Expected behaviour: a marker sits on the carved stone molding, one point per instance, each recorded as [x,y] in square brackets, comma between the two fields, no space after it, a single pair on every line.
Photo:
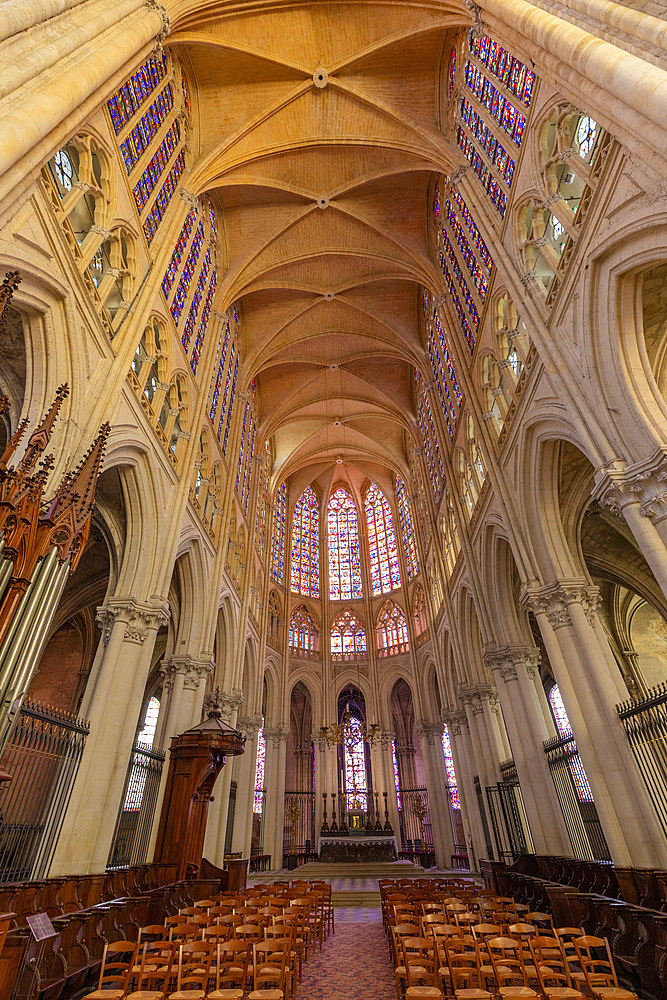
[510,661]
[556,599]
[459,172]
[456,722]
[476,694]
[429,731]
[189,198]
[194,670]
[276,735]
[166,21]
[227,702]
[249,726]
[386,739]
[644,483]
[138,618]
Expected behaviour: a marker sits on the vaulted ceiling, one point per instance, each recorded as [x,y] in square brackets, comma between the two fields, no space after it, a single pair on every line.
[320,133]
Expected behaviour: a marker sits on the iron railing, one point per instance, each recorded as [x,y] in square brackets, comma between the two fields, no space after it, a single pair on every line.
[409,821]
[576,800]
[134,822]
[508,815]
[304,839]
[645,723]
[43,758]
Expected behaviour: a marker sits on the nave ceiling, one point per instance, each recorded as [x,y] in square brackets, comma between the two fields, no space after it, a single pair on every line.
[319,128]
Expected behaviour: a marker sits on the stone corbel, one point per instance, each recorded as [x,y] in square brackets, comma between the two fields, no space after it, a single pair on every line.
[430,731]
[456,722]
[166,21]
[476,694]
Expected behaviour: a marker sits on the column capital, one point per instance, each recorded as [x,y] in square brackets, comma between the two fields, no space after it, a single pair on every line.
[429,731]
[644,483]
[456,722]
[476,694]
[276,735]
[555,600]
[194,669]
[249,725]
[227,701]
[137,617]
[509,661]
[386,739]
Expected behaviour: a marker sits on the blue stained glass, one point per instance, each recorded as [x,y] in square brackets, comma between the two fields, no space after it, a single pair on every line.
[203,323]
[348,638]
[407,534]
[189,268]
[385,573]
[480,279]
[196,302]
[143,133]
[502,109]
[159,207]
[177,255]
[452,784]
[260,764]
[392,630]
[241,447]
[222,357]
[226,394]
[231,406]
[451,74]
[278,534]
[305,575]
[449,412]
[431,449]
[127,100]
[465,214]
[344,559]
[303,633]
[436,200]
[460,278]
[487,140]
[356,788]
[247,466]
[518,79]
[145,186]
[397,780]
[489,183]
[565,730]
[456,302]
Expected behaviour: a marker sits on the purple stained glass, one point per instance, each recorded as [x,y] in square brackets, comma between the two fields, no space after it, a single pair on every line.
[189,269]
[397,779]
[348,637]
[231,406]
[355,768]
[565,730]
[407,533]
[518,79]
[196,302]
[278,534]
[456,302]
[203,323]
[452,784]
[502,109]
[451,72]
[241,447]
[460,279]
[128,99]
[222,358]
[146,184]
[260,765]
[392,630]
[487,140]
[385,573]
[475,269]
[305,577]
[344,559]
[303,632]
[139,139]
[466,215]
[156,213]
[177,255]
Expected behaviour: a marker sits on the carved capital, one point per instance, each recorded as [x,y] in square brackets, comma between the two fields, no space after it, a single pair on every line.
[456,722]
[137,618]
[193,670]
[276,735]
[189,198]
[249,726]
[556,600]
[100,231]
[644,483]
[166,22]
[459,172]
[476,695]
[511,662]
[429,731]
[227,702]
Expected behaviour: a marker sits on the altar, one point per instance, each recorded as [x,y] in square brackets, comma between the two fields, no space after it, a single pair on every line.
[360,850]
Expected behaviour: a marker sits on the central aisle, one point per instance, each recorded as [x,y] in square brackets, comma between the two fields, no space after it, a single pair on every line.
[354,964]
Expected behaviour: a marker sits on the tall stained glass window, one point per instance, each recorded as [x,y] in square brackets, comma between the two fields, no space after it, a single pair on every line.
[356,787]
[278,534]
[304,635]
[444,374]
[348,638]
[430,441]
[305,577]
[407,533]
[452,784]
[385,573]
[397,777]
[343,537]
[137,782]
[128,99]
[392,630]
[260,764]
[262,503]
[140,137]
[565,730]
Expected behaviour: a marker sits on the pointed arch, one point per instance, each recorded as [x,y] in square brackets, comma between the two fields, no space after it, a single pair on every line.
[385,572]
[392,630]
[304,634]
[343,540]
[348,637]
[305,572]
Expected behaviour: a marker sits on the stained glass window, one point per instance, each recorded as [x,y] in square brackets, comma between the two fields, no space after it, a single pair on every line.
[495,151]
[356,787]
[143,133]
[177,255]
[305,578]
[64,169]
[565,730]
[392,630]
[518,79]
[510,120]
[587,136]
[451,72]
[246,455]
[203,322]
[230,408]
[127,100]
[397,778]
[278,534]
[159,207]
[445,375]
[430,441]
[145,186]
[262,503]
[407,534]
[304,635]
[260,764]
[137,781]
[466,215]
[348,638]
[219,373]
[452,784]
[189,270]
[385,573]
[344,560]
[188,329]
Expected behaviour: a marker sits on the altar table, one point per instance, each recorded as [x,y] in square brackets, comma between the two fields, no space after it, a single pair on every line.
[363,850]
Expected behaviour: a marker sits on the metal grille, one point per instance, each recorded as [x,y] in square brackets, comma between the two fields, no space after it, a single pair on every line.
[43,757]
[409,821]
[508,815]
[581,817]
[305,824]
[645,723]
[135,816]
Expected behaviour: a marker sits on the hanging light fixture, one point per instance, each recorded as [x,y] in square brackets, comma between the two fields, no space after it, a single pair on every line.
[344,734]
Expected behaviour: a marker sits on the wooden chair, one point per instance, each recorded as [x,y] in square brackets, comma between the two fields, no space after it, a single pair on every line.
[509,972]
[249,932]
[542,920]
[597,969]
[419,962]
[232,920]
[232,962]
[181,933]
[269,963]
[551,969]
[194,970]
[118,960]
[155,971]
[152,932]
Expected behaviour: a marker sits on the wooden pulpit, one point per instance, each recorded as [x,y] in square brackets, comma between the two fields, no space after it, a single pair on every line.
[195,760]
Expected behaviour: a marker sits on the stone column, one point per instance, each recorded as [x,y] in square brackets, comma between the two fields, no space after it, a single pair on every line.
[122,663]
[463,757]
[568,620]
[430,734]
[483,733]
[386,762]
[216,825]
[514,669]
[245,786]
[274,806]
[321,785]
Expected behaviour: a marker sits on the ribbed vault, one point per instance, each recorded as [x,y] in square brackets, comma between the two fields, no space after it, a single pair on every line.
[319,129]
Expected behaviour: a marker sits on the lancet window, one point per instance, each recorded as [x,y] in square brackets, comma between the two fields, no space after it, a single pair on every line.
[444,374]
[304,635]
[419,610]
[356,787]
[429,438]
[137,780]
[565,731]
[407,532]
[452,784]
[385,572]
[348,637]
[305,574]
[451,541]
[278,534]
[246,456]
[392,630]
[397,777]
[343,538]
[260,765]
[262,502]
[223,387]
